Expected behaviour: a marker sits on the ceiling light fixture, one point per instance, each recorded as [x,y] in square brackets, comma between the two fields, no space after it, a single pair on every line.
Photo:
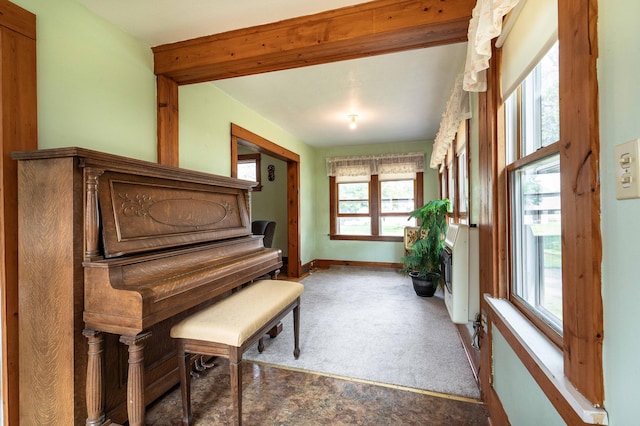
[353,123]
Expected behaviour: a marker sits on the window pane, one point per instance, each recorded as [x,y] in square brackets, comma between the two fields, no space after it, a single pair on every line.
[511,125]
[353,198]
[550,97]
[346,207]
[541,104]
[397,196]
[247,171]
[353,191]
[536,233]
[354,225]
[394,225]
[452,188]
[463,183]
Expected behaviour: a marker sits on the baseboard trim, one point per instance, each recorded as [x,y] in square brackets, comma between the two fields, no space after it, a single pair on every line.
[326,263]
[473,355]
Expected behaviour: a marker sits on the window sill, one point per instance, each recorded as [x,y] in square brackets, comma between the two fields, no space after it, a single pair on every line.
[548,359]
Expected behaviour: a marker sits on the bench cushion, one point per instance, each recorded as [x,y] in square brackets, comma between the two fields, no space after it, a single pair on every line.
[236,318]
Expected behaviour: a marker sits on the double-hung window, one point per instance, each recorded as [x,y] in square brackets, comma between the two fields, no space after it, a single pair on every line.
[354,208]
[397,199]
[371,196]
[547,190]
[532,133]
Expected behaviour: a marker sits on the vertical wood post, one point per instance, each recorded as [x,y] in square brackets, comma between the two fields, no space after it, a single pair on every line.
[234,156]
[18,132]
[293,214]
[581,238]
[167,107]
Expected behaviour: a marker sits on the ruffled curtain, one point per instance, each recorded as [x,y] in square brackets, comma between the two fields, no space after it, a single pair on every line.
[485,25]
[367,165]
[351,166]
[457,109]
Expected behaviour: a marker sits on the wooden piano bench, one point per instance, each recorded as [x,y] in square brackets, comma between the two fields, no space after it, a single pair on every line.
[229,327]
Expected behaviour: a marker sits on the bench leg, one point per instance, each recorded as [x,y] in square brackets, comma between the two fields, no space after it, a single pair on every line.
[296,330]
[235,374]
[184,364]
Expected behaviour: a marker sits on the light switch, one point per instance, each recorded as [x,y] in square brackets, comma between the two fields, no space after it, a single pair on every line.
[627,170]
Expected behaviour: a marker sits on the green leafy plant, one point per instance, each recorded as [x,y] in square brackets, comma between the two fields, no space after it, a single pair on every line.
[423,257]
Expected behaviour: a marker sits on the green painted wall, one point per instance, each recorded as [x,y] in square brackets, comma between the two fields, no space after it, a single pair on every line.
[514,385]
[97,90]
[619,88]
[371,251]
[271,202]
[206,114]
[96,87]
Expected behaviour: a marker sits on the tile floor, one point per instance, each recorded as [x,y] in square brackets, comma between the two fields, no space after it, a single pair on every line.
[276,396]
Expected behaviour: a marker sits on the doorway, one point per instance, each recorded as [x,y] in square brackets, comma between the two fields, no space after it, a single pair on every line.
[245,138]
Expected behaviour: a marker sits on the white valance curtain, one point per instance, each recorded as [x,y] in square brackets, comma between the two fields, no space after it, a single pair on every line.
[367,165]
[457,109]
[485,25]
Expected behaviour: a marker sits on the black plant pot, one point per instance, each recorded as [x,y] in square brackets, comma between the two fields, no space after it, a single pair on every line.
[424,287]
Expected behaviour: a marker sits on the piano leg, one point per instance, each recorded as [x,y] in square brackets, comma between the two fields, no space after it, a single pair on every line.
[95,379]
[135,381]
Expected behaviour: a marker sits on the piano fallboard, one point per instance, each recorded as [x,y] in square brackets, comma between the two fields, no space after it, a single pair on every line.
[129,295]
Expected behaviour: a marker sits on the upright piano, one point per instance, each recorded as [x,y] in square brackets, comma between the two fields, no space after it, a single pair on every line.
[112,252]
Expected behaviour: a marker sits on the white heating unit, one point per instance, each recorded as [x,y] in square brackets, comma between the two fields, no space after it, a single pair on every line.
[461,273]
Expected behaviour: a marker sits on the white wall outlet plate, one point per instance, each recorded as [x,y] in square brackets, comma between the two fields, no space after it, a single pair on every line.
[627,169]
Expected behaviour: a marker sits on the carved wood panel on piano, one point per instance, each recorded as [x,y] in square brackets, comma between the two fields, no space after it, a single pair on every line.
[121,249]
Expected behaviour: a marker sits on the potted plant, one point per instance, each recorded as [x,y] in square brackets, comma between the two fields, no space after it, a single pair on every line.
[422,261]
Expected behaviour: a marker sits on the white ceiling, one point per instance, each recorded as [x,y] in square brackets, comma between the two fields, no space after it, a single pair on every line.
[398,97]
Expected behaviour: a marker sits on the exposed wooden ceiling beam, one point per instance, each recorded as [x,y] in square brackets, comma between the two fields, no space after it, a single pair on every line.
[366,29]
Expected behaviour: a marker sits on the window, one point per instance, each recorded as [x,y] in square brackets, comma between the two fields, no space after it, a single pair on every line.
[533,167]
[536,253]
[249,169]
[462,167]
[353,209]
[397,199]
[530,38]
[371,197]
[454,176]
[377,208]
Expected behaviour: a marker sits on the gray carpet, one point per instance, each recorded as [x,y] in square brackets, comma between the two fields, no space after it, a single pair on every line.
[368,324]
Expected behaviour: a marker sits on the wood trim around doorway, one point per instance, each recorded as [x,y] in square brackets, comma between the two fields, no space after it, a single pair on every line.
[244,137]
[18,132]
